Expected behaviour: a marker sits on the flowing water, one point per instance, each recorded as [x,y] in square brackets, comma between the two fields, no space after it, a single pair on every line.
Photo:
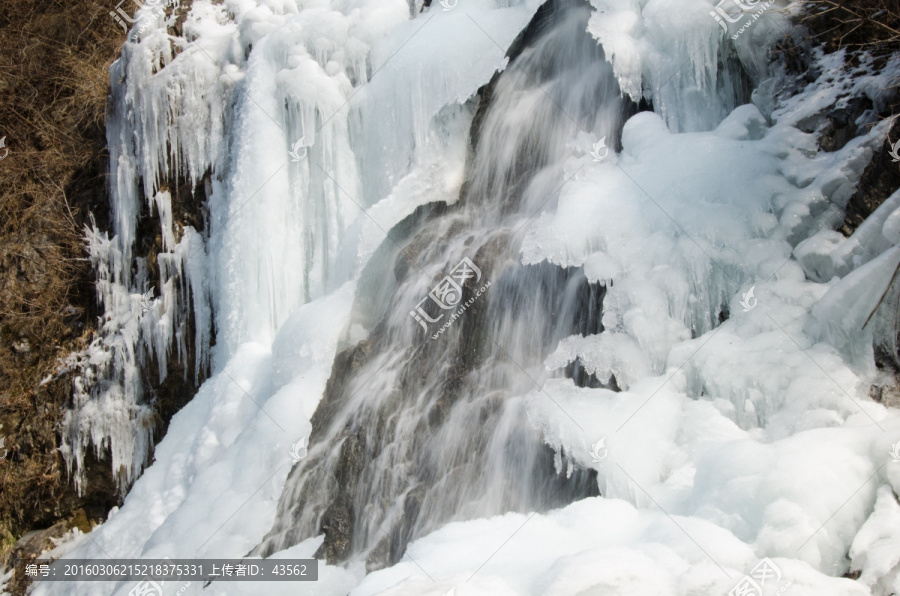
[421,422]
[277,143]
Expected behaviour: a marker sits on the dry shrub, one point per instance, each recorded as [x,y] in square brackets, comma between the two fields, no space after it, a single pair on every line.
[53,90]
[871,25]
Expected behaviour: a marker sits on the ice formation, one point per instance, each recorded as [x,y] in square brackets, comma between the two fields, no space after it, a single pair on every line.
[738,326]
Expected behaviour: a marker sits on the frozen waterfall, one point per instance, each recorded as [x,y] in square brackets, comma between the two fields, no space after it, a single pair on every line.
[494,296]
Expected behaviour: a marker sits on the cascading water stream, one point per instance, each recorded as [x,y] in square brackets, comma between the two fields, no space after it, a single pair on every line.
[686,297]
[418,428]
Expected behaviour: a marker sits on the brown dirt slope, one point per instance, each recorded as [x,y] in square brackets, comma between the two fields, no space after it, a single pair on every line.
[53,89]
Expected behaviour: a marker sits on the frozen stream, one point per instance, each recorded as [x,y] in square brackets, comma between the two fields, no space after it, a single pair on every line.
[498,296]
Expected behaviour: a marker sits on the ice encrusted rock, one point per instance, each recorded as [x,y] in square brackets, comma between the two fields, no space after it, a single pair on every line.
[743,418]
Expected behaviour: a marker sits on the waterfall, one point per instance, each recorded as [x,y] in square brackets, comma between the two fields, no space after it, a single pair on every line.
[459,269]
[421,424]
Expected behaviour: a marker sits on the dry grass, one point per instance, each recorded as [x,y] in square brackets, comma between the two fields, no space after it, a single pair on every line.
[53,89]
[871,25]
[53,73]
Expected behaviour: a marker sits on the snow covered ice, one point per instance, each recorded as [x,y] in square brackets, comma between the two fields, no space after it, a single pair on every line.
[737,427]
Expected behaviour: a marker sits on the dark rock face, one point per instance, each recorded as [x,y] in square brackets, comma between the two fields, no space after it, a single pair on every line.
[172,393]
[841,127]
[837,127]
[880,179]
[582,378]
[360,445]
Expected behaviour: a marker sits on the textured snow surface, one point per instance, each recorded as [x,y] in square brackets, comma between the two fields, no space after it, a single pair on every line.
[734,319]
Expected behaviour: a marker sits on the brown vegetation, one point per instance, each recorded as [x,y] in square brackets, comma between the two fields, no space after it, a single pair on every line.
[872,25]
[53,89]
